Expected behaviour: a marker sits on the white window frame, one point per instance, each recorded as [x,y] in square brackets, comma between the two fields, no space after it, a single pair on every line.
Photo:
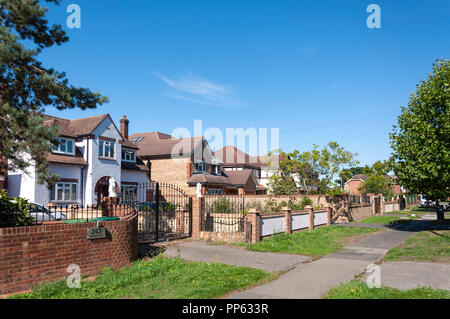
[127,151]
[216,169]
[203,166]
[64,141]
[64,186]
[111,146]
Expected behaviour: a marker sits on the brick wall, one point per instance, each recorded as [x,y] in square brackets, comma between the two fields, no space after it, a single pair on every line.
[173,171]
[42,253]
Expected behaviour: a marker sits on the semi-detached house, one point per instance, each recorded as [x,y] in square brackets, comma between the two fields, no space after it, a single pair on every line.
[91,150]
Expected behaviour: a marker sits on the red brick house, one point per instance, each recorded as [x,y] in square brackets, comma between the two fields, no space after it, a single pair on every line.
[352,185]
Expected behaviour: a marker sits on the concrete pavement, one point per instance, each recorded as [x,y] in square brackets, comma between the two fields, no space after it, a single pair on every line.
[200,251]
[314,279]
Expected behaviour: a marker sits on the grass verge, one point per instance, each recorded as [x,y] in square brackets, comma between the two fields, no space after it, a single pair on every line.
[357,289]
[431,245]
[159,278]
[316,242]
[384,219]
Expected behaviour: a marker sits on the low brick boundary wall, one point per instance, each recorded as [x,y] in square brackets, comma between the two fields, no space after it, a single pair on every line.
[33,254]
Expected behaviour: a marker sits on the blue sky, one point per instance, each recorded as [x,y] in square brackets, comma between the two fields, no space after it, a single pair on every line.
[313,69]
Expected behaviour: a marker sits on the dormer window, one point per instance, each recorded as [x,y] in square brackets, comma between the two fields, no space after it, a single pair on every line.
[128,155]
[200,166]
[65,146]
[216,169]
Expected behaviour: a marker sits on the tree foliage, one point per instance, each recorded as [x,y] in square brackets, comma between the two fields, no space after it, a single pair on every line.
[377,184]
[313,169]
[27,86]
[421,139]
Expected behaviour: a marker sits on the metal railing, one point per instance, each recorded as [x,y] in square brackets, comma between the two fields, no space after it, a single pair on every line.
[223,213]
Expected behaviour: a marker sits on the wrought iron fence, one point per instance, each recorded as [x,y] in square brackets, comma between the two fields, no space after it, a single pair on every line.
[223,213]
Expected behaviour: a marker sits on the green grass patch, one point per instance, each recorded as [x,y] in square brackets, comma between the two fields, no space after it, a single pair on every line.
[431,245]
[159,278]
[384,219]
[316,242]
[357,289]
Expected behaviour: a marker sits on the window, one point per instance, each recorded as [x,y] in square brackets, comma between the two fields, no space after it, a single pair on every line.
[200,166]
[64,146]
[128,193]
[64,192]
[214,191]
[106,149]
[137,139]
[216,169]
[128,155]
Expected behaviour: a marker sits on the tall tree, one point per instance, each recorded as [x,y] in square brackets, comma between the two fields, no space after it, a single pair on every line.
[27,86]
[421,138]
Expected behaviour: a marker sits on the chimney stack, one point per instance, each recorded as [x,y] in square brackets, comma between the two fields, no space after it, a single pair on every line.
[124,126]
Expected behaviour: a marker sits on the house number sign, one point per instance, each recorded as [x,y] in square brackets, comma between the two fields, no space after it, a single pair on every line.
[96,233]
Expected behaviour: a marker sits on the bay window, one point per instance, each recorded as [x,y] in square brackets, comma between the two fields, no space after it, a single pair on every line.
[64,192]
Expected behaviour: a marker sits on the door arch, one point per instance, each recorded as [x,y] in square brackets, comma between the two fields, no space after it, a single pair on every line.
[101,189]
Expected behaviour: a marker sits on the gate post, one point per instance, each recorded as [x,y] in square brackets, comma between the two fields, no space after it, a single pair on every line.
[254,218]
[157,212]
[197,207]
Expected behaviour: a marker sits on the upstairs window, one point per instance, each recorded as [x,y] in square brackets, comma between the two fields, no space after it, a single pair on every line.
[200,166]
[216,169]
[106,149]
[65,146]
[128,155]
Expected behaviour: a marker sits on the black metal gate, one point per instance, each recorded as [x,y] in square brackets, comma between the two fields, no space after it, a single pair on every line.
[164,210]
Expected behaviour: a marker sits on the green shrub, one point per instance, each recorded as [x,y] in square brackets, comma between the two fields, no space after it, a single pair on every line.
[222,205]
[14,211]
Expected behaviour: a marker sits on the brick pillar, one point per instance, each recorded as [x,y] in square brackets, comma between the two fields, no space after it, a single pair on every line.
[254,217]
[197,205]
[287,220]
[381,204]
[328,216]
[311,218]
[372,199]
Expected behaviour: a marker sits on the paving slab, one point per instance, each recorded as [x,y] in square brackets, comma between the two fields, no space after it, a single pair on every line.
[200,251]
[412,274]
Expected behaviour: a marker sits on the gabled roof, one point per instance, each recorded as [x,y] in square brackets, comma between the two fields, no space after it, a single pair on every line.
[240,178]
[161,144]
[82,126]
[232,156]
[358,177]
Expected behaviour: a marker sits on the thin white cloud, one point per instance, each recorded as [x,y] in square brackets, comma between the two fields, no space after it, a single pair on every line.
[200,91]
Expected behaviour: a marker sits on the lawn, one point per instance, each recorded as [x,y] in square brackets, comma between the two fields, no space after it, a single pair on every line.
[357,289]
[316,242]
[160,278]
[384,219]
[426,246]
